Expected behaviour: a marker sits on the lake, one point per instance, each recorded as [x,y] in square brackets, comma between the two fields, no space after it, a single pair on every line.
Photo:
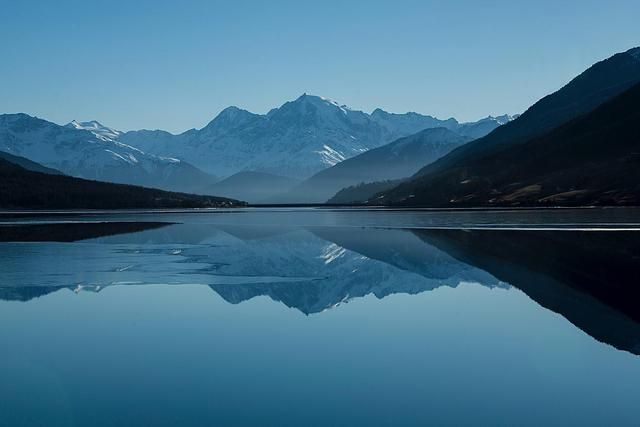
[320,317]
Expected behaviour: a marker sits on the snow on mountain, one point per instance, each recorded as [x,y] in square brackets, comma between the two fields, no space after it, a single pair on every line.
[88,150]
[297,139]
[99,130]
[409,123]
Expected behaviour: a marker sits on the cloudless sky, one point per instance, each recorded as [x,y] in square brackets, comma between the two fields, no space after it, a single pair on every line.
[175,65]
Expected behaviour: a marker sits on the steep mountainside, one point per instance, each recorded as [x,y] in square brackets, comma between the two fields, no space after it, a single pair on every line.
[399,159]
[25,189]
[89,151]
[592,160]
[447,180]
[596,85]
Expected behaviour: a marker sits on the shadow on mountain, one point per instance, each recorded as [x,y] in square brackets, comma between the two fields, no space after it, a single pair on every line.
[71,232]
[591,278]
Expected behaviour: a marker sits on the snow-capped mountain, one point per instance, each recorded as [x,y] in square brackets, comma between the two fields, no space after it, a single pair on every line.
[98,129]
[298,139]
[295,140]
[92,151]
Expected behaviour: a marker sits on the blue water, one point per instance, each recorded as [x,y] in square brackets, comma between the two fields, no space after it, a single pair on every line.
[313,318]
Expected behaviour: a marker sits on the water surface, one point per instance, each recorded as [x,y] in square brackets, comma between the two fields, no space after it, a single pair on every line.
[316,317]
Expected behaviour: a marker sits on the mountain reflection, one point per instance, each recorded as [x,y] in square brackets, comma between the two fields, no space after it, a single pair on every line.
[589,278]
[71,232]
[345,263]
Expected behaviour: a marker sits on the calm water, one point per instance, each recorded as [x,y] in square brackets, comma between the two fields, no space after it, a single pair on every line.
[320,317]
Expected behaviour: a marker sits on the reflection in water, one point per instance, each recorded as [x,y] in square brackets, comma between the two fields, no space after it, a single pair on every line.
[588,277]
[591,278]
[71,232]
[442,327]
[384,262]
[300,267]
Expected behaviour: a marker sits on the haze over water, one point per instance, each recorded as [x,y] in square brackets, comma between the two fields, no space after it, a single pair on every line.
[318,316]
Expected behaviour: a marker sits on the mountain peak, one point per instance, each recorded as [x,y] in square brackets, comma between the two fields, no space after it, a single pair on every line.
[230,117]
[231,113]
[12,117]
[501,120]
[319,101]
[93,124]
[95,127]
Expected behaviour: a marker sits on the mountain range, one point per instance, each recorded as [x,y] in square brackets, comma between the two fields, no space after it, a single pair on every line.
[296,140]
[91,151]
[573,147]
[271,152]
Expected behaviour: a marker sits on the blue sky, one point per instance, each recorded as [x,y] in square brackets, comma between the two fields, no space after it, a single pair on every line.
[175,65]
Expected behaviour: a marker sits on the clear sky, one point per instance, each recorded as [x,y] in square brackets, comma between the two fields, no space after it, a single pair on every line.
[175,65]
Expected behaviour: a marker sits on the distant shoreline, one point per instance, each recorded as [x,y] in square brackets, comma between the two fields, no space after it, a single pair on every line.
[6,215]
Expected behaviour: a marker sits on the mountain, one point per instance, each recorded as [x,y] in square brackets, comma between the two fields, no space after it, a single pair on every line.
[24,189]
[400,124]
[399,159]
[410,123]
[592,160]
[298,139]
[252,187]
[525,161]
[87,150]
[28,164]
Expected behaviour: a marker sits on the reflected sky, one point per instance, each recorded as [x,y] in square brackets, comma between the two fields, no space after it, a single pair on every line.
[316,323]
